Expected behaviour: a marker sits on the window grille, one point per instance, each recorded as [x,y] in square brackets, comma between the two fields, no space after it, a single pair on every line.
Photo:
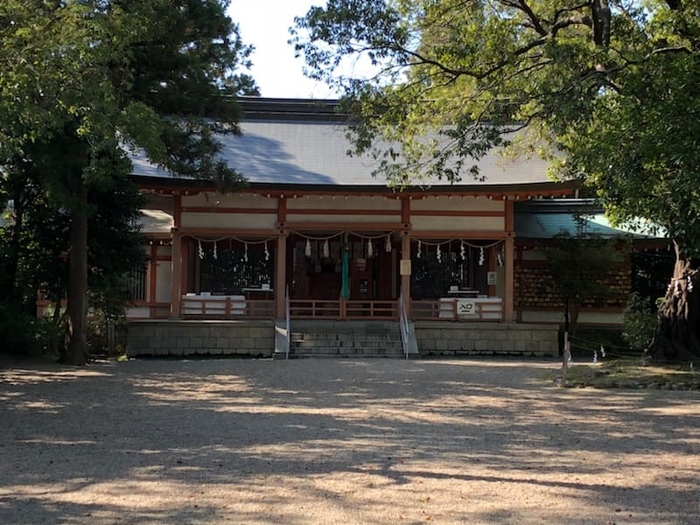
[136,284]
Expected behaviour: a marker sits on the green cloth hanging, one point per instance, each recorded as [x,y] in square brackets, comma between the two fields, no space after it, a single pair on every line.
[345,288]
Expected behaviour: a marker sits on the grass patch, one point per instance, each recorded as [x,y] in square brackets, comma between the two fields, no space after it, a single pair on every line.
[631,373]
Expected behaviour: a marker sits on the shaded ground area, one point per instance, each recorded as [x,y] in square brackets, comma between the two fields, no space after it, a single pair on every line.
[340,441]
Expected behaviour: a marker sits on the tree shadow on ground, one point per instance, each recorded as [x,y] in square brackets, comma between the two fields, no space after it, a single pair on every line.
[133,440]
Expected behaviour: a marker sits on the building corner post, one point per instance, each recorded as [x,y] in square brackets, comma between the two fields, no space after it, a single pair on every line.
[176,277]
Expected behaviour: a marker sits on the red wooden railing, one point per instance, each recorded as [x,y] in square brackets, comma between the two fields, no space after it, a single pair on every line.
[448,310]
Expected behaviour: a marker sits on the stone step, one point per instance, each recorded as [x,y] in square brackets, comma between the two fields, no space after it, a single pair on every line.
[345,339]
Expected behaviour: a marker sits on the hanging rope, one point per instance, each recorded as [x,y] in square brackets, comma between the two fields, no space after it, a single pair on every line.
[230,238]
[448,241]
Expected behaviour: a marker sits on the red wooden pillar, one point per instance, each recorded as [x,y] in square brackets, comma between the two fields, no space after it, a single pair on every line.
[405,270]
[281,277]
[176,259]
[509,263]
[152,279]
[176,277]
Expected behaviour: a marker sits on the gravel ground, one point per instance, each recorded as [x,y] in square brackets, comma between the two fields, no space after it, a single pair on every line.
[340,441]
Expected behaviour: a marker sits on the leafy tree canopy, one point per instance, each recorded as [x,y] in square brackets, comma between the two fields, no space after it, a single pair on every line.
[607,90]
[159,75]
[82,81]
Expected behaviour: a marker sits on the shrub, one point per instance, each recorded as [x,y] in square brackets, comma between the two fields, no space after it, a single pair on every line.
[639,321]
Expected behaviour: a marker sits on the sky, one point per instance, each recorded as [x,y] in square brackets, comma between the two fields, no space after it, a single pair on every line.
[265,24]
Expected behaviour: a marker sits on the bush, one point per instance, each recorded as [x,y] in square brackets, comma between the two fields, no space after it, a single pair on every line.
[23,333]
[105,337]
[639,321]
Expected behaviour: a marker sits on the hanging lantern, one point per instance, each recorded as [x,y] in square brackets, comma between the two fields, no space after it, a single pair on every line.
[200,250]
[419,247]
[369,249]
[387,244]
[326,251]
[307,249]
[482,257]
[267,252]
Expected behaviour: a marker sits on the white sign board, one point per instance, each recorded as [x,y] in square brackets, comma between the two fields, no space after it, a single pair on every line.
[466,307]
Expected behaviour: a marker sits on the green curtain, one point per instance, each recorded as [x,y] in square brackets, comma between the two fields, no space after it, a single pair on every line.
[345,289]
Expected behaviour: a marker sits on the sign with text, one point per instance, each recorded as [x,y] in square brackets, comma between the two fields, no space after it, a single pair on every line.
[466,307]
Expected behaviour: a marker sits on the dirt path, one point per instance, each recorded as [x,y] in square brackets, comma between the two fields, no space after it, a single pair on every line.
[330,441]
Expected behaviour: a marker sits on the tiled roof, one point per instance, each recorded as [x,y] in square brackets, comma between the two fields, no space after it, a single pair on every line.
[305,144]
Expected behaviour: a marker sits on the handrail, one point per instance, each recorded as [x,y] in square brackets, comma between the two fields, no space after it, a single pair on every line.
[287,323]
[403,325]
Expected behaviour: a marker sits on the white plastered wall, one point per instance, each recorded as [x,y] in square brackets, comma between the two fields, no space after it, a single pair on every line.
[229,220]
[457,224]
[457,203]
[328,202]
[233,200]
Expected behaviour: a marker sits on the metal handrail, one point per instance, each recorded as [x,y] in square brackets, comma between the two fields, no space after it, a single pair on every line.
[403,325]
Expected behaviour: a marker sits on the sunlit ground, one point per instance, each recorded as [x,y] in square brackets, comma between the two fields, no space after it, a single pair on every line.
[332,441]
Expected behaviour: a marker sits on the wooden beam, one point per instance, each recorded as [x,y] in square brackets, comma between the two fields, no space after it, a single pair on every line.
[457,234]
[281,211]
[457,213]
[228,232]
[177,210]
[344,226]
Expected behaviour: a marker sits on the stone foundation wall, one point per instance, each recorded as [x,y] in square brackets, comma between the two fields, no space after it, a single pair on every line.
[462,339]
[178,338]
[256,338]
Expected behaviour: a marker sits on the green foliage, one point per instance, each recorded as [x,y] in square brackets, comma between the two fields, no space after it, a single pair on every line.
[639,322]
[22,333]
[607,92]
[580,266]
[82,84]
[612,91]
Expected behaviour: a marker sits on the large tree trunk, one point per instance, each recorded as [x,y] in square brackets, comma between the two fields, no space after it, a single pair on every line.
[76,350]
[677,336]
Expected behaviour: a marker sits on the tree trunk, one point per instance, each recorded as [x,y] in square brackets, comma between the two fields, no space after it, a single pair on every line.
[76,350]
[677,335]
